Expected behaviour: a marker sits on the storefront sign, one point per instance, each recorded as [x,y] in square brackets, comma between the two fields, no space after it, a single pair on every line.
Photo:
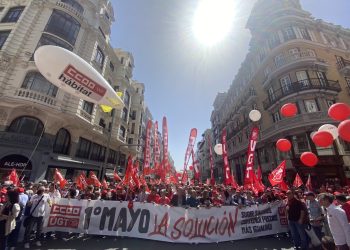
[16,162]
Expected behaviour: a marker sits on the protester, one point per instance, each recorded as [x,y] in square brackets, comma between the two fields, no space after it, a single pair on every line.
[297,220]
[192,201]
[345,205]
[179,199]
[8,214]
[337,221]
[163,200]
[37,206]
[315,213]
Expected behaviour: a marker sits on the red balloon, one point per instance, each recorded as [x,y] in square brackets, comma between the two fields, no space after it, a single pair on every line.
[309,159]
[191,167]
[322,139]
[344,130]
[283,145]
[289,110]
[339,111]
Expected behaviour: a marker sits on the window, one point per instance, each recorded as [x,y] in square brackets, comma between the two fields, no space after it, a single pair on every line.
[132,128]
[64,26]
[267,71]
[88,107]
[279,60]
[47,39]
[311,52]
[274,40]
[97,152]
[106,14]
[286,84]
[122,131]
[99,57]
[102,123]
[122,60]
[36,82]
[112,156]
[27,125]
[310,106]
[130,141]
[126,98]
[294,53]
[3,37]
[303,78]
[13,15]
[305,33]
[75,5]
[347,81]
[102,33]
[330,103]
[276,117]
[62,142]
[111,66]
[125,114]
[83,150]
[271,94]
[133,115]
[300,144]
[322,78]
[288,34]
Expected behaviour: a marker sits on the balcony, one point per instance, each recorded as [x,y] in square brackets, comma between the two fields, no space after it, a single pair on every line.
[301,86]
[71,9]
[34,96]
[300,120]
[85,115]
[343,66]
[286,63]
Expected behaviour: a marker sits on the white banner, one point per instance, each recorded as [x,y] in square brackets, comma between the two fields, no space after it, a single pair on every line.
[164,223]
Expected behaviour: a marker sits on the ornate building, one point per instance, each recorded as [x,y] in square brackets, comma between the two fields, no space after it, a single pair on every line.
[295,58]
[42,127]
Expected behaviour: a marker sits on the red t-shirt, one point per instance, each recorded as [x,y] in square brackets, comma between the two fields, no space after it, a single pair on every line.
[164,201]
[346,208]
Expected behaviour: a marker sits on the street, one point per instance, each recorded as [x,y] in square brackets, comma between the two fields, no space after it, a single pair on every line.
[112,243]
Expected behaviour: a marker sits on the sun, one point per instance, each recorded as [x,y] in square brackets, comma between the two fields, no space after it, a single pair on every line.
[213,20]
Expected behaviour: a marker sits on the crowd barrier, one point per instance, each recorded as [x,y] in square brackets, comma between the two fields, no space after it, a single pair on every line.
[164,223]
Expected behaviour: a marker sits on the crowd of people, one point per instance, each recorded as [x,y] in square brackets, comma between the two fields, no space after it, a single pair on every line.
[326,212]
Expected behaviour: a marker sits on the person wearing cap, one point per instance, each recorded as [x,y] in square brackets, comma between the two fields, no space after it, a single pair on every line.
[345,205]
[315,213]
[337,221]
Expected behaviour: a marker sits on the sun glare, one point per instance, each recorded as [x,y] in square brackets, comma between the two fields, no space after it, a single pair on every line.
[213,20]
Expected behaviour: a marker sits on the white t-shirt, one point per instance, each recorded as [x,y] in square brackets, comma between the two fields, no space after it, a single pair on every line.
[338,223]
[40,209]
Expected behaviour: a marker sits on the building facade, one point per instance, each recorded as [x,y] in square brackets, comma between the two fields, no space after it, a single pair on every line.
[203,156]
[293,58]
[42,127]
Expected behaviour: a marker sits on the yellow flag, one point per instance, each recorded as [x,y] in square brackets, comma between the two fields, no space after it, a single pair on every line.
[120,94]
[106,109]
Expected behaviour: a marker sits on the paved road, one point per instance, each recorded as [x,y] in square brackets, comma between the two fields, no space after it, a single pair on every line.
[111,243]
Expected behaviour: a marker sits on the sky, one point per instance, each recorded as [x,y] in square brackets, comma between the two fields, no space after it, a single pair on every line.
[181,75]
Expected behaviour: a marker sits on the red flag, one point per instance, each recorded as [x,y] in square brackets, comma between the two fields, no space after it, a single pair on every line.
[249,176]
[195,167]
[104,184]
[93,180]
[14,177]
[297,181]
[156,148]
[226,170]
[191,141]
[59,178]
[144,183]
[283,186]
[277,175]
[184,178]
[259,179]
[234,183]
[212,179]
[130,177]
[147,150]
[165,146]
[81,181]
[308,184]
[116,176]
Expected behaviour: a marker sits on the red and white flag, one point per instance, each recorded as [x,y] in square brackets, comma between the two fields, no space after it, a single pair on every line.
[14,177]
[249,175]
[191,141]
[81,181]
[196,167]
[59,178]
[297,181]
[277,175]
[226,170]
[116,176]
[156,147]
[165,148]
[147,150]
[212,179]
[104,184]
[308,184]
[93,180]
